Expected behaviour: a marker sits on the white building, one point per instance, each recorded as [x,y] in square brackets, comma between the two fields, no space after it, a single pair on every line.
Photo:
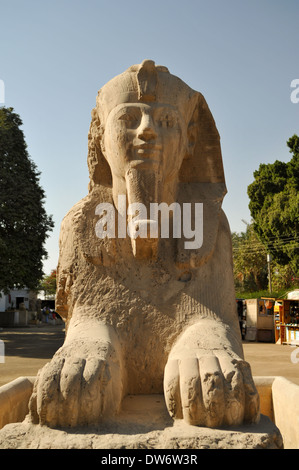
[16,307]
[14,299]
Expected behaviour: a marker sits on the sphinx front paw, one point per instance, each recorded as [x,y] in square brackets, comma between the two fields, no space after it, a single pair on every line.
[211,390]
[79,386]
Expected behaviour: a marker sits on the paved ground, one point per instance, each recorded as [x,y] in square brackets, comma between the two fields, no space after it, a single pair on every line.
[28,349]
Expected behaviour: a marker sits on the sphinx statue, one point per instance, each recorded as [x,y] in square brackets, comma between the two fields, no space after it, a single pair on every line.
[148,312]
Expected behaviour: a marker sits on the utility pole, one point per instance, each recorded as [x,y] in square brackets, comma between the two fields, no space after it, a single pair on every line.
[269,259]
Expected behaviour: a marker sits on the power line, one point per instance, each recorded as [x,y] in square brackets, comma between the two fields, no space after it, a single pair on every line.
[261,249]
[293,237]
[271,240]
[275,238]
[268,245]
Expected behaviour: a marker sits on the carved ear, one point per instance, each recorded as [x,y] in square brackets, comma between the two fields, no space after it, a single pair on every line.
[99,170]
[203,162]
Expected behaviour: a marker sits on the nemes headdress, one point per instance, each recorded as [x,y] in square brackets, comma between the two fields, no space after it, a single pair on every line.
[150,83]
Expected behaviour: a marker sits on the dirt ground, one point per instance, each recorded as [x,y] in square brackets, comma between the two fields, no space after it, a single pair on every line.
[28,349]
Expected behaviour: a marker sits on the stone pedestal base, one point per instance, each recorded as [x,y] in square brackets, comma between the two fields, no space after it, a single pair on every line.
[144,423]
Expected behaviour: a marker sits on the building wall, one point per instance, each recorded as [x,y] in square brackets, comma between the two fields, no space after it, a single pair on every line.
[3,302]
[10,300]
[18,294]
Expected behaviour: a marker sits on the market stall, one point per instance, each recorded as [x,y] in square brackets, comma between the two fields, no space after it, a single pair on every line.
[287,320]
[260,320]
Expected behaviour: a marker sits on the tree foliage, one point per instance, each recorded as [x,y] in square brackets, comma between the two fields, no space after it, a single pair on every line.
[283,277]
[250,261]
[274,207]
[24,224]
[48,284]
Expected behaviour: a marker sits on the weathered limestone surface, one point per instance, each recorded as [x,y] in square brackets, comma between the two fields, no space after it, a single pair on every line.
[14,398]
[147,315]
[143,423]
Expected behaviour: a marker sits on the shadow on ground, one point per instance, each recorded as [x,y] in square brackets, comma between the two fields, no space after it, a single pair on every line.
[39,343]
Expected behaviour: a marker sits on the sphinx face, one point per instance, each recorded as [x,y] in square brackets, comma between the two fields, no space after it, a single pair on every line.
[144,145]
[147,140]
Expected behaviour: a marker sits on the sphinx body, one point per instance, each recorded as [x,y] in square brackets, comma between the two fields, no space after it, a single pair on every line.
[144,314]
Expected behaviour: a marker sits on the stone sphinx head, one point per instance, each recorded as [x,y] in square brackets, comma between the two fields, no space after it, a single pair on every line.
[150,134]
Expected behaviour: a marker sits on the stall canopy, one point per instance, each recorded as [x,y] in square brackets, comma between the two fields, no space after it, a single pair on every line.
[294,295]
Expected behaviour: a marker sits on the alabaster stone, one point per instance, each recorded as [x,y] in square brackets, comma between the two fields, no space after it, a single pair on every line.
[148,314]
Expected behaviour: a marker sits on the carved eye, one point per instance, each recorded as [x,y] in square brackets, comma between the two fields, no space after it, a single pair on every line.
[129,119]
[166,121]
[125,117]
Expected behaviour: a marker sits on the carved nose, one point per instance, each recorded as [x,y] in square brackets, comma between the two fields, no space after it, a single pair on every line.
[146,130]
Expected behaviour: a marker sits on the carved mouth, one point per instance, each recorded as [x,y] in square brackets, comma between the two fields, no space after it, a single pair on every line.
[147,148]
[144,162]
[146,155]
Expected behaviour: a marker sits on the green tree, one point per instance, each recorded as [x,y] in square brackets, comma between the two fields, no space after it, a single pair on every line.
[48,284]
[274,207]
[250,261]
[283,277]
[24,224]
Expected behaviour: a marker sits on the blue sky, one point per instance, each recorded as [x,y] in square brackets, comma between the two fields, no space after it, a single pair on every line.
[241,54]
